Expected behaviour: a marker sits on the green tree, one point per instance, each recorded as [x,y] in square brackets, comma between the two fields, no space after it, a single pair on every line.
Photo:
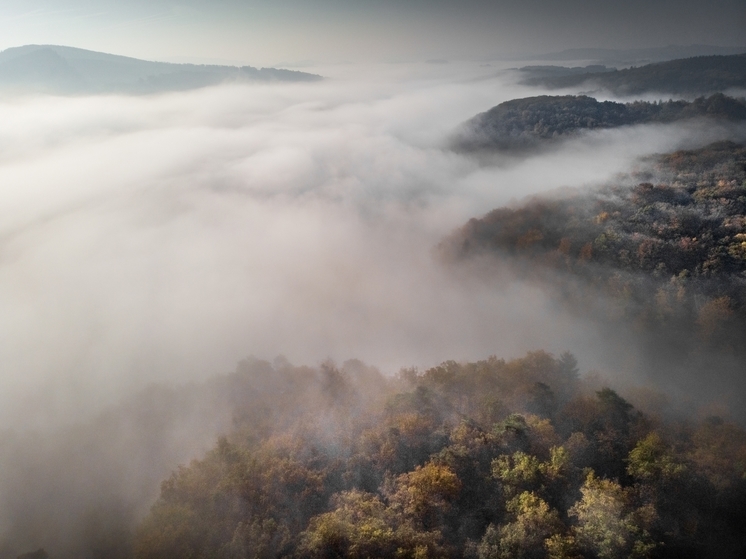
[362,526]
[608,526]
[652,461]
[525,537]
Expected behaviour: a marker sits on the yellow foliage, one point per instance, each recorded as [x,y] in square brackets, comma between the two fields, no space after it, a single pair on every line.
[429,486]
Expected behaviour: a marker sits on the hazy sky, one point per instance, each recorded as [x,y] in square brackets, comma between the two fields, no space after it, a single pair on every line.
[291,31]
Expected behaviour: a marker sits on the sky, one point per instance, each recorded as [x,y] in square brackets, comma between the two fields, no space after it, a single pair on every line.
[293,32]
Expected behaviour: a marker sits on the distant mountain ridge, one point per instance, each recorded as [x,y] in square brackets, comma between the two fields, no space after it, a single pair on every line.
[57,69]
[638,56]
[699,75]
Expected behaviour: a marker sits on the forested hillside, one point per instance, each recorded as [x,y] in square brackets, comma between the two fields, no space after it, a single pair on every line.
[700,75]
[662,253]
[530,122]
[496,458]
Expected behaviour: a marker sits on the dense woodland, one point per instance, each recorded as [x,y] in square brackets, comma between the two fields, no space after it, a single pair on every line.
[522,458]
[496,458]
[662,253]
[526,123]
[700,75]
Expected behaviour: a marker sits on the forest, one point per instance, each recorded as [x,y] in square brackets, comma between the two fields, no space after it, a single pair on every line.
[497,458]
[502,458]
[489,459]
[661,252]
[699,75]
[522,124]
[519,458]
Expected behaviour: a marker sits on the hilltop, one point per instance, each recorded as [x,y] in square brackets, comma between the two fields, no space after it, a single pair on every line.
[628,57]
[660,254]
[529,122]
[491,459]
[700,75]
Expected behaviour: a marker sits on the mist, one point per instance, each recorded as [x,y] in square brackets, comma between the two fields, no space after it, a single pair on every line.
[162,239]
[167,237]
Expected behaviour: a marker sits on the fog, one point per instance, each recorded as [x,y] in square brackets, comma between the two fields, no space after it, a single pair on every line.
[161,239]
[165,238]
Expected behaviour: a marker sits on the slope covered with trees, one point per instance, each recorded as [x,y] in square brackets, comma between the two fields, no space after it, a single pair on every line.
[527,123]
[662,253]
[495,458]
[699,75]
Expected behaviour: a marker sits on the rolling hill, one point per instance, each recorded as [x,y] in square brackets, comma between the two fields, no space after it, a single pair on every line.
[521,124]
[700,75]
[63,70]
[660,254]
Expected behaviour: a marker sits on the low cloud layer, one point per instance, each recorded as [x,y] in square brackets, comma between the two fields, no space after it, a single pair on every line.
[166,237]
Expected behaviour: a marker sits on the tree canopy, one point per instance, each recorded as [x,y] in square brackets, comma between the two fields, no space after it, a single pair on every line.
[451,462]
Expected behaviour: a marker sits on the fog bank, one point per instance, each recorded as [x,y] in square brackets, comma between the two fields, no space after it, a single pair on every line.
[164,238]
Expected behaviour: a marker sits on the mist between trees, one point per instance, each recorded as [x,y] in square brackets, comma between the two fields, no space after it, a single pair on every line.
[660,254]
[495,458]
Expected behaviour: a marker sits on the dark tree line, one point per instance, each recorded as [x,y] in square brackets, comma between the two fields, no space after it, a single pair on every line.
[521,124]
